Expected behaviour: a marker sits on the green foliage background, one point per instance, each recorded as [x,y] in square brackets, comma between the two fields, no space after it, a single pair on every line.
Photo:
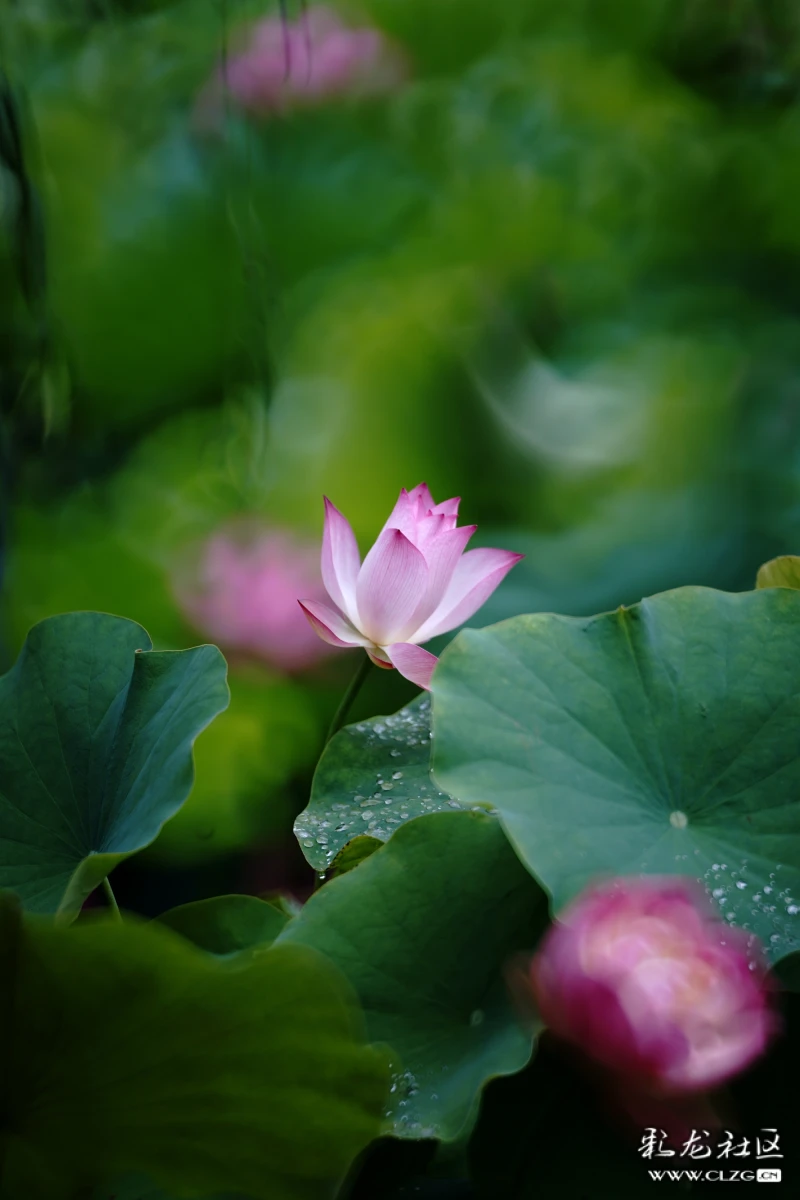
[557,271]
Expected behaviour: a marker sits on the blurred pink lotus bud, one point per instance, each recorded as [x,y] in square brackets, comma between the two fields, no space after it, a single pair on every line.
[640,976]
[242,593]
[288,64]
[416,582]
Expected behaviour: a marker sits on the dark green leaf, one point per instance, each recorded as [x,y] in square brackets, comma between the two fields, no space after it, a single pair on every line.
[130,1050]
[353,853]
[424,929]
[227,925]
[664,738]
[139,1187]
[96,736]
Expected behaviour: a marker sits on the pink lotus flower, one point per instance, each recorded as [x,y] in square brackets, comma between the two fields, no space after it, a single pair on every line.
[243,594]
[416,582]
[303,63]
[642,978]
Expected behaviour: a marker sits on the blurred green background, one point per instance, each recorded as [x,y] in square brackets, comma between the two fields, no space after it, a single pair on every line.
[551,265]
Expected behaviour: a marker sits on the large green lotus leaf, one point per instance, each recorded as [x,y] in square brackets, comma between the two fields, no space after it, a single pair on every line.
[662,738]
[96,738]
[780,572]
[227,925]
[371,778]
[423,928]
[129,1050]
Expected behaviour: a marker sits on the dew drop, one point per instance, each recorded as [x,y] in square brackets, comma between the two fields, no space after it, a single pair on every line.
[678,819]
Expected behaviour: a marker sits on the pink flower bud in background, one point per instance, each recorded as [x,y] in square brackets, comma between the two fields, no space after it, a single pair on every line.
[415,582]
[242,594]
[302,63]
[640,976]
